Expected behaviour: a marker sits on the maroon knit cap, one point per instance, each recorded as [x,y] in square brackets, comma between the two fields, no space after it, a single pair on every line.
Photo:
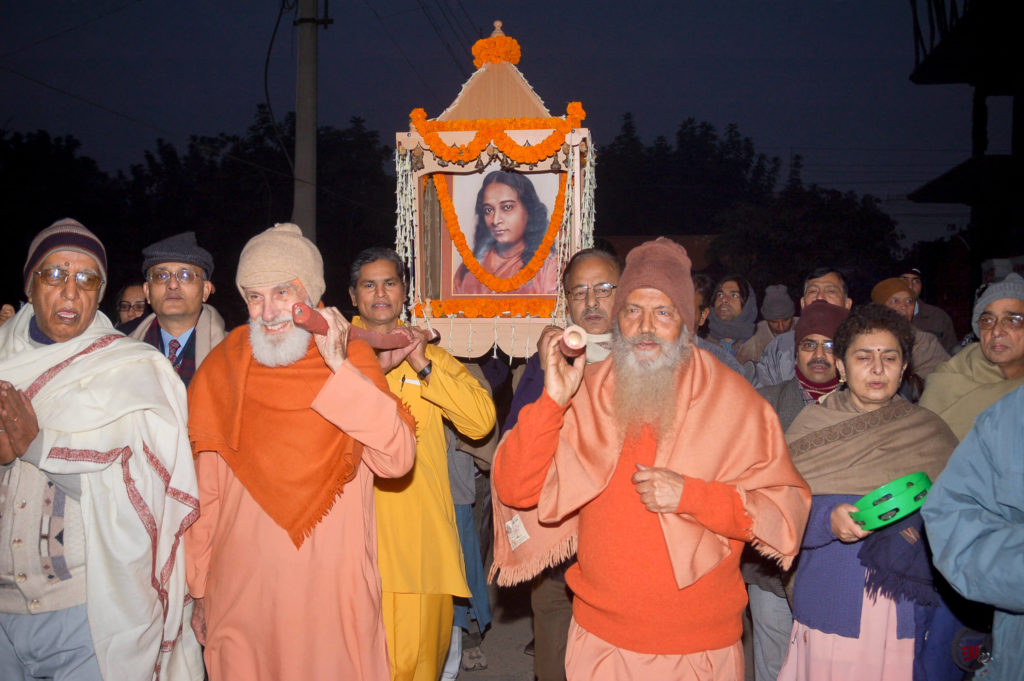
[660,264]
[819,317]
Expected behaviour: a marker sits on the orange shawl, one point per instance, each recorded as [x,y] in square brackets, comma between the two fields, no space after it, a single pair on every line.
[291,460]
[723,431]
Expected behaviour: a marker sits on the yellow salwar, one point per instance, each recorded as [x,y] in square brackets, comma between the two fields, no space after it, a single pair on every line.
[418,541]
[419,629]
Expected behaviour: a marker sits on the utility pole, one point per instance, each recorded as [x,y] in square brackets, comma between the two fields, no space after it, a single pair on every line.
[304,202]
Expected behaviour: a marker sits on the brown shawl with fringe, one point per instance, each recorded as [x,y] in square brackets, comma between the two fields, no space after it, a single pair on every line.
[723,431]
[839,449]
[291,460]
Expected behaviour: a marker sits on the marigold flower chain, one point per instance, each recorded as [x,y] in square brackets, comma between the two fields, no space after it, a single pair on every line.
[493,130]
[496,49]
[489,307]
[500,284]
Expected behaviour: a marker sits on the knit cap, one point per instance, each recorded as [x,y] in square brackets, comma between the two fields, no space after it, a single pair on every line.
[777,303]
[887,288]
[278,255]
[178,248]
[821,317]
[1010,287]
[660,264]
[66,235]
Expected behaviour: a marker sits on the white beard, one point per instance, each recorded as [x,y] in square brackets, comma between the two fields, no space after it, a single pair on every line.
[645,389]
[280,349]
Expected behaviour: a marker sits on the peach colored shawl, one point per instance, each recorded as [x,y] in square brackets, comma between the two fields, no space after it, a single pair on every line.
[723,431]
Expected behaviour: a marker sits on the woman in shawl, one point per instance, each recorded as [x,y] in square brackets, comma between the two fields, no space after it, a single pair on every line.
[511,221]
[857,594]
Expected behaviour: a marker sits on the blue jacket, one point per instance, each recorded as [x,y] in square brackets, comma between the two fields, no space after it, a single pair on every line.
[975,521]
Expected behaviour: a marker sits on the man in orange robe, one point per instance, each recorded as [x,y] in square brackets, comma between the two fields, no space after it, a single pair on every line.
[288,432]
[663,463]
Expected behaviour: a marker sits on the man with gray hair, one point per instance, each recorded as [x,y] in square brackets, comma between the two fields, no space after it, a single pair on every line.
[641,463]
[96,484]
[288,432]
[983,372]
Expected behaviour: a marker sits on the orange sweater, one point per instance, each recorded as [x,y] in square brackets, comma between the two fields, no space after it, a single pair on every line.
[625,590]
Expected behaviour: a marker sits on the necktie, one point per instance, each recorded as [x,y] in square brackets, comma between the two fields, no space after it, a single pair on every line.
[174,345]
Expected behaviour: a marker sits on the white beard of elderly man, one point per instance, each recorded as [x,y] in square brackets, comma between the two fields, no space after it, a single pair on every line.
[658,492]
[97,484]
[289,435]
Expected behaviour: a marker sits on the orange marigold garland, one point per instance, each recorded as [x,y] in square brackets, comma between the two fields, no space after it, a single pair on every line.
[493,130]
[496,49]
[489,307]
[500,284]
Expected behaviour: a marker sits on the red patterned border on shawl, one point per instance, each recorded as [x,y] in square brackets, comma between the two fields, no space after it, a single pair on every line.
[144,513]
[52,372]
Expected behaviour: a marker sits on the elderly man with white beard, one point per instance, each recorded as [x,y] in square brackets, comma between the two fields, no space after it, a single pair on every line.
[647,462]
[288,433]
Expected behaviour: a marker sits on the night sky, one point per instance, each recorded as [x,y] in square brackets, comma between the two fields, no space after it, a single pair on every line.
[826,79]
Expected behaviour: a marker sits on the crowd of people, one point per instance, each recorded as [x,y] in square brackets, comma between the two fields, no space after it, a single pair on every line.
[183,501]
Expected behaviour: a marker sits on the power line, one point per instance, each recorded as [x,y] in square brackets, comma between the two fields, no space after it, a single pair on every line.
[459,34]
[398,45]
[440,36]
[70,29]
[285,4]
[171,133]
[469,20]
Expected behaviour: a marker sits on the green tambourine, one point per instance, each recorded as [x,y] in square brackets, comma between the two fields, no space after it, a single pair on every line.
[892,502]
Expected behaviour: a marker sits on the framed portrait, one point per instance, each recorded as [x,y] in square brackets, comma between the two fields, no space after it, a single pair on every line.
[506,225]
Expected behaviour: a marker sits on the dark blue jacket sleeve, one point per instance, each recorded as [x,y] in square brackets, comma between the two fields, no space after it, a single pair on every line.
[531,387]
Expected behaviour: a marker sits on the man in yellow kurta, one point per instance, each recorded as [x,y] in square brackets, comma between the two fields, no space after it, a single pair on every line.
[419,553]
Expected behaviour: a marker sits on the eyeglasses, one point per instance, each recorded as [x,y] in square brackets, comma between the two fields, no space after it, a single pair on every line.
[58,276]
[600,291]
[815,290]
[124,306]
[809,345]
[1011,322]
[184,276]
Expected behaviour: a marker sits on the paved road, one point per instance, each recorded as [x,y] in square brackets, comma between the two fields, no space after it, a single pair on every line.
[511,629]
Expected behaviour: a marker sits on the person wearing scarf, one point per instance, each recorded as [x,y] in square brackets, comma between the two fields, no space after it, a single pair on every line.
[94,506]
[778,316]
[180,314]
[288,432]
[851,621]
[550,600]
[641,462]
[733,313]
[983,372]
[816,376]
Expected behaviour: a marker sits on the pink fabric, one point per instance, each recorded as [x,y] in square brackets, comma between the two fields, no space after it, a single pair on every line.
[877,655]
[544,282]
[589,658]
[275,612]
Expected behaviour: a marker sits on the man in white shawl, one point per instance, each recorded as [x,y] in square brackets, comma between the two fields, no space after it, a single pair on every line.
[97,484]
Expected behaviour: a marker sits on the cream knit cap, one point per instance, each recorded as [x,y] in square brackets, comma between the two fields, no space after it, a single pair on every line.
[278,255]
